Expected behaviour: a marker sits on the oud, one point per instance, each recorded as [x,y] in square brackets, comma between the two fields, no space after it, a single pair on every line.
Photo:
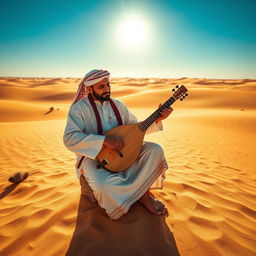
[132,135]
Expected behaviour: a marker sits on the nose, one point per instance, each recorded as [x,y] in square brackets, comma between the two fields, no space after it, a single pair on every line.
[106,89]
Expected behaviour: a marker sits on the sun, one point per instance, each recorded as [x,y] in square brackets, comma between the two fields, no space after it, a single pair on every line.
[133,32]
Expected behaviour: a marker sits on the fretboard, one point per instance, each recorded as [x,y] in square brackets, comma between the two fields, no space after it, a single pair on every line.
[152,118]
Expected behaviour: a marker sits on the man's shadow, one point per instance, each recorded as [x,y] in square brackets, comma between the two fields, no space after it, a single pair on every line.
[136,233]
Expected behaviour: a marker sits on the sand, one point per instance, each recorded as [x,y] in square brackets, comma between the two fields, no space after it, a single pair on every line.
[210,188]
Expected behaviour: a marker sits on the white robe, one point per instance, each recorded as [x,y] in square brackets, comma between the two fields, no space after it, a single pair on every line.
[115,192]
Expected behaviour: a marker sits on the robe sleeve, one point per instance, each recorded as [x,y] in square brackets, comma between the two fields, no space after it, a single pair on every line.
[77,140]
[129,118]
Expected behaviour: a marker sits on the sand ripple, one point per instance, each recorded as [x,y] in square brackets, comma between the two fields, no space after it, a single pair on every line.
[210,188]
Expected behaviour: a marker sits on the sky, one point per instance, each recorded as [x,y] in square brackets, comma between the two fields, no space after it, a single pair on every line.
[129,38]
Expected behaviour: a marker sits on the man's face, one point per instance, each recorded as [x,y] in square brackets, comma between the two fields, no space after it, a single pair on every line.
[101,90]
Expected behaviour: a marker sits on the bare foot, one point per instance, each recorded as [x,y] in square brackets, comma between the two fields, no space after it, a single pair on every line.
[152,204]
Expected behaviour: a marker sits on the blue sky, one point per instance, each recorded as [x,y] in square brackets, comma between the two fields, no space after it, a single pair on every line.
[196,38]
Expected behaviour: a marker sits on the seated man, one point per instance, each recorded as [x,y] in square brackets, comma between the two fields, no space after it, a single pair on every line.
[91,115]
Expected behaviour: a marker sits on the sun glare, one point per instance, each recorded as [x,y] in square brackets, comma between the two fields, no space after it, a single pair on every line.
[133,32]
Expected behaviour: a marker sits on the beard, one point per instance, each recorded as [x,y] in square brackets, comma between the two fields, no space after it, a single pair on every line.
[101,97]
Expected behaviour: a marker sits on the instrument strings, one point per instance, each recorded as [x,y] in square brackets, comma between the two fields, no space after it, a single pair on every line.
[151,119]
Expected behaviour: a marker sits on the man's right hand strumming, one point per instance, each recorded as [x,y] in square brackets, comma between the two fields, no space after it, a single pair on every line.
[113,142]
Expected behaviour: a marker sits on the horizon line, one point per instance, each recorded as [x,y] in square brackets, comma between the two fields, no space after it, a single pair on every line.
[125,77]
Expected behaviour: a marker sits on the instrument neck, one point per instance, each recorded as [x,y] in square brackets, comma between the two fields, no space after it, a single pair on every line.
[153,117]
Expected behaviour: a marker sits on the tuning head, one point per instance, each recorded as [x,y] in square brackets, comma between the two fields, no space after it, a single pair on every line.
[183,96]
[180,92]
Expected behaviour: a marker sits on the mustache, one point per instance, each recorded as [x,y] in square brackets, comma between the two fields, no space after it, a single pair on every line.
[105,93]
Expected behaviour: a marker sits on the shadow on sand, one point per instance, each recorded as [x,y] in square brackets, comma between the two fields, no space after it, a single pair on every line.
[136,233]
[8,190]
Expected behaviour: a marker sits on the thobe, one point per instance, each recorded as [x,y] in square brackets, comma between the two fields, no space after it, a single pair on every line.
[115,192]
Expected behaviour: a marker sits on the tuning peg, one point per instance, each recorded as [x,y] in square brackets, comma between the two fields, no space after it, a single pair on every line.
[181,99]
[177,86]
[173,89]
[186,94]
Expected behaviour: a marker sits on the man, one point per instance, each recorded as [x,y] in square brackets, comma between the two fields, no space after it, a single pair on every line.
[91,115]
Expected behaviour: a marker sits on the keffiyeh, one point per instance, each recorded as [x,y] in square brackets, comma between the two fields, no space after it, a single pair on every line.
[90,79]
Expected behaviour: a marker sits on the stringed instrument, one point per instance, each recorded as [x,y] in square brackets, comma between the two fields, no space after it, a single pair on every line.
[132,135]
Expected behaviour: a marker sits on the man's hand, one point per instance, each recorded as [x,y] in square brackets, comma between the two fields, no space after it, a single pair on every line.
[113,142]
[164,113]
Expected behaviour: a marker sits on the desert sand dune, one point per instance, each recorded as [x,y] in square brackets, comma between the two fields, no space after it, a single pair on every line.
[210,186]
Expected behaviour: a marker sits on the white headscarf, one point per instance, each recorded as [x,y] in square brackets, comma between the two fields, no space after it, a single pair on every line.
[91,78]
